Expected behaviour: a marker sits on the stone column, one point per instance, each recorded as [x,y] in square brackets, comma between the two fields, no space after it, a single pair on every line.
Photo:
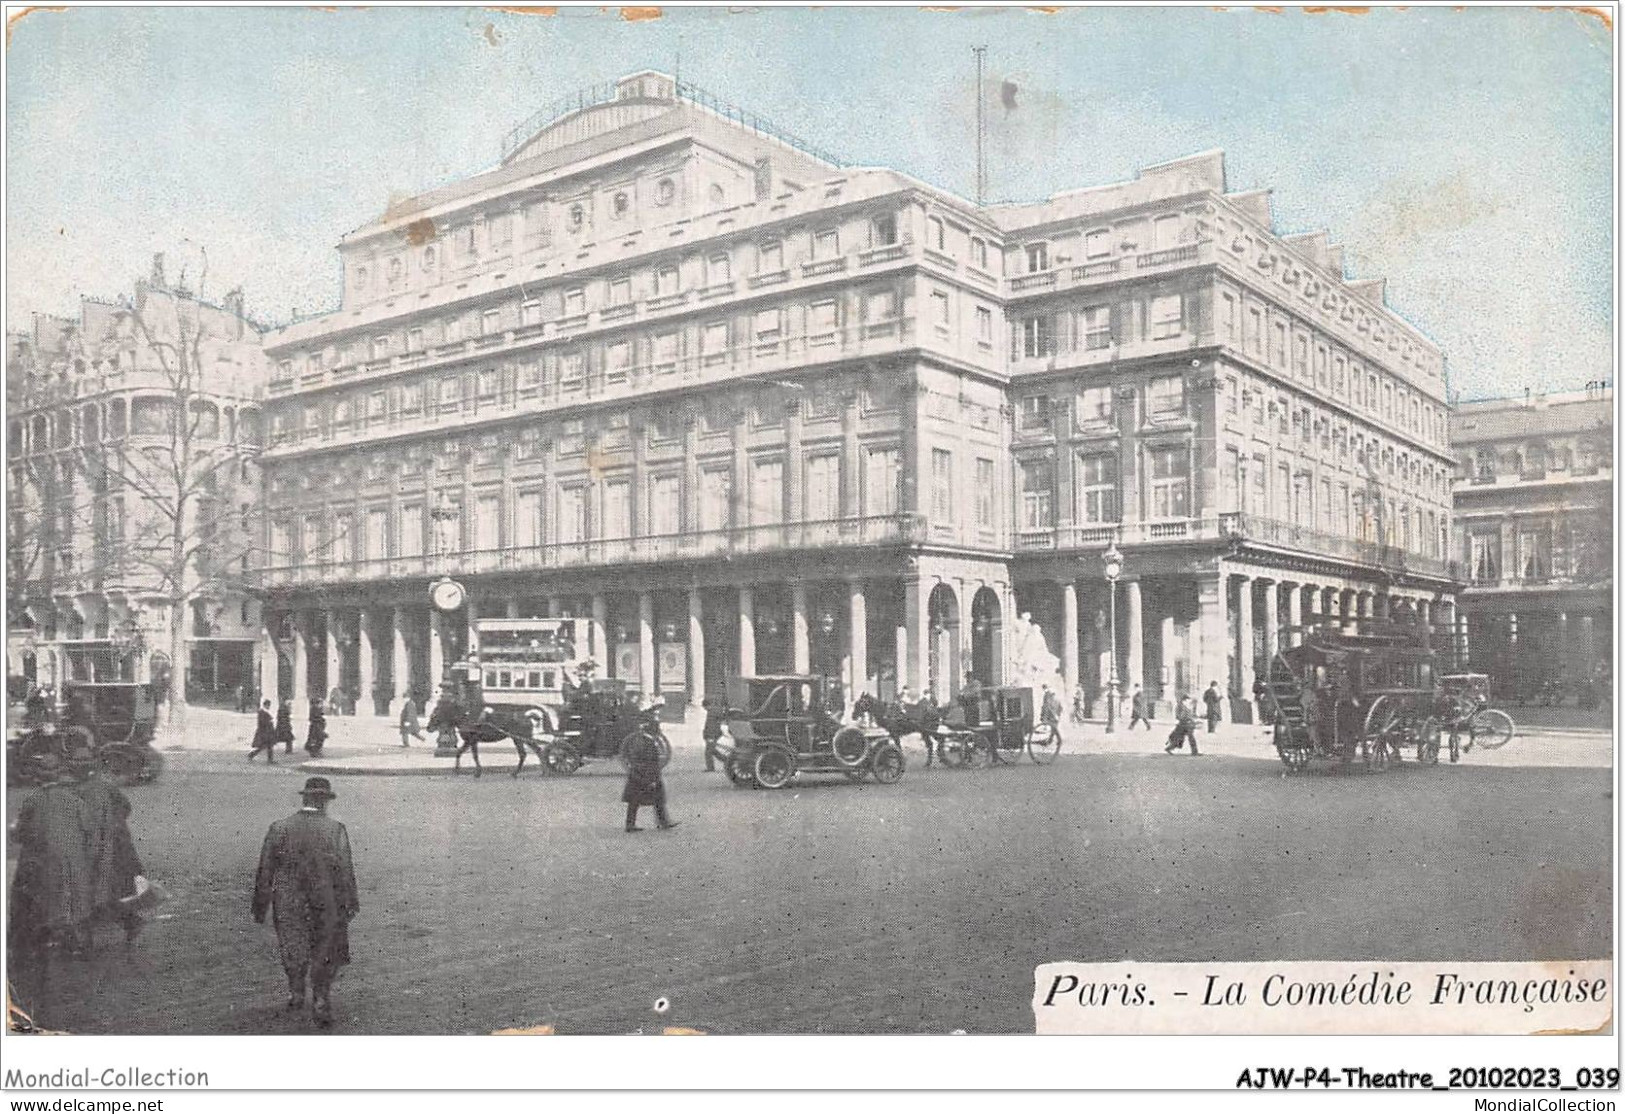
[747,632]
[1136,640]
[646,643]
[364,664]
[858,639]
[917,625]
[301,661]
[1347,609]
[400,659]
[1367,609]
[900,649]
[1312,611]
[270,665]
[696,648]
[1382,606]
[800,650]
[1272,622]
[437,650]
[1294,613]
[600,631]
[330,648]
[1246,662]
[1069,636]
[1213,623]
[1167,664]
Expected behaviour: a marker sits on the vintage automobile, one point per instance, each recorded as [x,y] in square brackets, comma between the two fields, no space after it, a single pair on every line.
[999,719]
[116,720]
[783,726]
[1350,697]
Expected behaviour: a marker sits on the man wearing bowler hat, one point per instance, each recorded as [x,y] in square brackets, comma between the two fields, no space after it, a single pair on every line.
[305,878]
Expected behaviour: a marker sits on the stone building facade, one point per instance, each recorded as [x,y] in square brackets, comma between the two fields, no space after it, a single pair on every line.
[94,493]
[752,412]
[1535,521]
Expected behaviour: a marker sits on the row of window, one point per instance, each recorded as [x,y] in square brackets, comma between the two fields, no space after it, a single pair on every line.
[1533,460]
[1094,406]
[1096,492]
[1296,349]
[95,424]
[1166,231]
[574,510]
[1528,554]
[1094,328]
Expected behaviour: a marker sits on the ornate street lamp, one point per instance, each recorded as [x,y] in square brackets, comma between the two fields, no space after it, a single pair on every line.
[1114,569]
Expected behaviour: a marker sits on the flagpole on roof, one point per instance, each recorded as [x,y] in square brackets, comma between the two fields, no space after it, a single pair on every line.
[981,130]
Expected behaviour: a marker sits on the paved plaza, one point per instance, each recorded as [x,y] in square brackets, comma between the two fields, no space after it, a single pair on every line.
[831,907]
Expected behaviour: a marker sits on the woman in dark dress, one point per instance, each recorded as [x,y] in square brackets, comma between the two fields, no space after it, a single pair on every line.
[284,726]
[644,785]
[317,734]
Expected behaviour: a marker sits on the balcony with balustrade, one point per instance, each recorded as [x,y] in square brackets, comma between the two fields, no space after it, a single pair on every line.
[599,553]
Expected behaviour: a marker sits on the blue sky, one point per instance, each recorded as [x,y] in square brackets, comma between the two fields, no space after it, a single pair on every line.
[1465,156]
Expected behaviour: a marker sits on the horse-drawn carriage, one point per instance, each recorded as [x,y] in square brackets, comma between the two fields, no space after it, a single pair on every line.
[116,721]
[1350,698]
[973,731]
[598,719]
[789,725]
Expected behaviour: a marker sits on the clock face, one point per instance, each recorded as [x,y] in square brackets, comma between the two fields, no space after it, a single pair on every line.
[448,595]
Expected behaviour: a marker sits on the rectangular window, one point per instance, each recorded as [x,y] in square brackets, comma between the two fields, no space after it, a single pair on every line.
[986,494]
[1170,481]
[1282,510]
[527,519]
[1255,332]
[882,483]
[1278,345]
[665,352]
[1484,557]
[1035,412]
[665,504]
[617,505]
[343,539]
[718,269]
[1227,316]
[1167,316]
[1339,375]
[826,244]
[1258,493]
[880,305]
[1037,257]
[1300,356]
[1097,243]
[1165,396]
[488,382]
[617,361]
[414,340]
[1037,494]
[453,330]
[940,309]
[1096,323]
[766,492]
[572,371]
[769,325]
[377,406]
[823,488]
[984,325]
[620,292]
[936,235]
[769,257]
[1035,336]
[380,348]
[281,543]
[1097,488]
[572,521]
[666,281]
[500,231]
[821,321]
[488,522]
[716,491]
[714,341]
[1095,406]
[978,254]
[451,392]
[411,542]
[490,323]
[575,302]
[411,398]
[942,486]
[883,230]
[1534,554]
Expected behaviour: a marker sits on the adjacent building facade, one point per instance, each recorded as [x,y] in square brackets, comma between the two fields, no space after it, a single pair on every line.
[130,428]
[1535,520]
[751,412]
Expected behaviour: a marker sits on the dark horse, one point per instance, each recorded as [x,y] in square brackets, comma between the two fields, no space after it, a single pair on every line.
[925,720]
[471,732]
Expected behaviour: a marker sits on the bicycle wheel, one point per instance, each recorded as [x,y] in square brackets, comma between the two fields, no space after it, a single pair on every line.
[1492,728]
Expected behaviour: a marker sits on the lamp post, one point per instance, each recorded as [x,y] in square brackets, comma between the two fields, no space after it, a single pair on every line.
[1114,568]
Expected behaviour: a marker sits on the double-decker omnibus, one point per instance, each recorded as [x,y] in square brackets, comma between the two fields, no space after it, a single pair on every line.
[525,663]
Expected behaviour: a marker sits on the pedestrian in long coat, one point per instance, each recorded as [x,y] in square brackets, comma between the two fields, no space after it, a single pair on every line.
[284,727]
[1214,703]
[644,785]
[113,860]
[411,725]
[53,893]
[307,881]
[716,714]
[265,735]
[1185,726]
[1140,708]
[316,735]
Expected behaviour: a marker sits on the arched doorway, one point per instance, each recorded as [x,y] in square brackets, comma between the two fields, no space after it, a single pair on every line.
[942,611]
[987,637]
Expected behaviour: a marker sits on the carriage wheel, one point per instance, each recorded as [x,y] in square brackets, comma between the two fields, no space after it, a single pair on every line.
[561,758]
[887,763]
[661,743]
[1295,758]
[1043,743]
[774,768]
[738,772]
[956,748]
[1381,717]
[122,762]
[851,747]
[1427,742]
[1491,729]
